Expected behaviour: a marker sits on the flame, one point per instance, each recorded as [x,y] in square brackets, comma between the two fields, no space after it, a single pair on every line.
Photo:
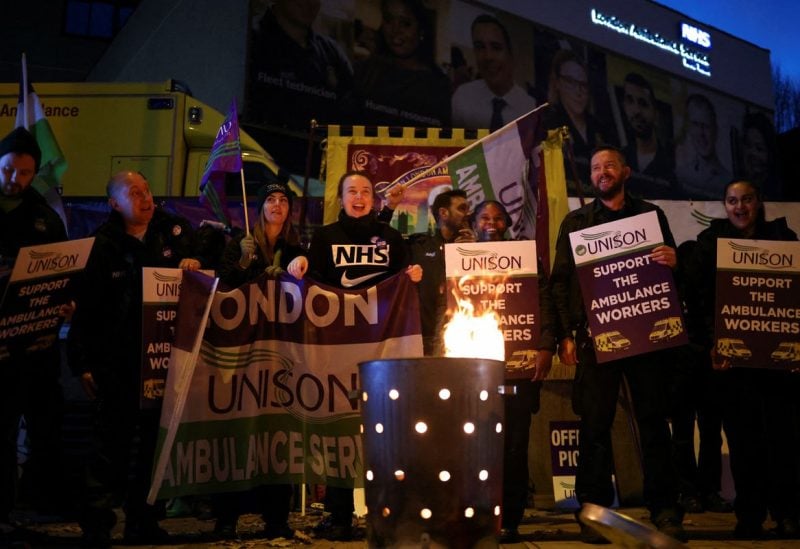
[471,336]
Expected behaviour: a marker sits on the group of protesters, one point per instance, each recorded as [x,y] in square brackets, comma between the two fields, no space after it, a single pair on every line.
[754,406]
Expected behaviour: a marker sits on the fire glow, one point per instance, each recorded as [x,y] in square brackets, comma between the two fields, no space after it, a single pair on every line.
[473,336]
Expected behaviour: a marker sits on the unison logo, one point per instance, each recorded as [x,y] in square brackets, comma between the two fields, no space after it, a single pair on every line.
[51,261]
[596,243]
[167,285]
[484,260]
[753,255]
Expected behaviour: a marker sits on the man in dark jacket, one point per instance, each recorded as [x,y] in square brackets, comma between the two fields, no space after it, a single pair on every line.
[105,349]
[596,386]
[30,380]
[450,210]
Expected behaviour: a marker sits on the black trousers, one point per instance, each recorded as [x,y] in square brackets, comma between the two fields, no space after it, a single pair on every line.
[120,469]
[339,503]
[272,501]
[696,394]
[595,396]
[31,388]
[518,410]
[760,423]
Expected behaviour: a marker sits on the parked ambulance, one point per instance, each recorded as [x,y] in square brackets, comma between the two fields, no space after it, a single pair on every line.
[158,129]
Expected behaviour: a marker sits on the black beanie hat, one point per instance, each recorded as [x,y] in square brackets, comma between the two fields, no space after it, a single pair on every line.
[21,141]
[274,187]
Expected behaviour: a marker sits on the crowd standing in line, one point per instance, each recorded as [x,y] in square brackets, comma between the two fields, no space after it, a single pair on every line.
[757,406]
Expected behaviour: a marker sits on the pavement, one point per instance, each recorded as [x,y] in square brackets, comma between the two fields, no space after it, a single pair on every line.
[539,529]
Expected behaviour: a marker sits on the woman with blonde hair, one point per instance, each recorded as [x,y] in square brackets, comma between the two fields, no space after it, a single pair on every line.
[273,246]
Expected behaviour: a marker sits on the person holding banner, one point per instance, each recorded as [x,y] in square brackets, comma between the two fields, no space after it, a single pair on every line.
[272,248]
[596,386]
[758,402]
[490,222]
[104,345]
[354,252]
[31,380]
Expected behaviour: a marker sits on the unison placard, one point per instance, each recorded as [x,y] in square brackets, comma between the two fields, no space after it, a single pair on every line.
[757,321]
[631,301]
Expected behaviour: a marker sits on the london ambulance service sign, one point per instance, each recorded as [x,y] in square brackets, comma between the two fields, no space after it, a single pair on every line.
[758,303]
[631,301]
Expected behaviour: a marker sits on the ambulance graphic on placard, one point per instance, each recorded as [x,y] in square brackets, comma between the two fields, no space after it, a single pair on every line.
[608,342]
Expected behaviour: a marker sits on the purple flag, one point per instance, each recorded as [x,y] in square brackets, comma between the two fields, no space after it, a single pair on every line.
[226,157]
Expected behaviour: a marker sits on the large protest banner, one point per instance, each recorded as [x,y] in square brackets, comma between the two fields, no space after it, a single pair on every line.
[500,277]
[40,283]
[390,160]
[631,302]
[758,303]
[271,395]
[160,292]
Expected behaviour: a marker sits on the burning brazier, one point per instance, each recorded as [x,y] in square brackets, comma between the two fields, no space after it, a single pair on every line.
[433,451]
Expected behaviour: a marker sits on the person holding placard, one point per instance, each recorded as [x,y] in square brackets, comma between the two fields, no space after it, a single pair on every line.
[758,403]
[104,346]
[490,223]
[596,386]
[31,380]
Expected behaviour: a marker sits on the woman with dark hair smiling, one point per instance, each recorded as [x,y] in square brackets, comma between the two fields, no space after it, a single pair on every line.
[758,403]
[491,221]
[401,84]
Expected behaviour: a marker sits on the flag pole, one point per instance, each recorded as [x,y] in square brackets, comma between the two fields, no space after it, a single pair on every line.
[25,121]
[466,149]
[244,203]
[312,126]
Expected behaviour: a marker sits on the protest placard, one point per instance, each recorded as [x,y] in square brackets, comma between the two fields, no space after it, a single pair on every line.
[40,284]
[757,303]
[631,302]
[500,277]
[160,292]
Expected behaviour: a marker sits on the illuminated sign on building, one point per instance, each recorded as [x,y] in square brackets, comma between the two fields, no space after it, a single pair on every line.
[695,35]
[691,59]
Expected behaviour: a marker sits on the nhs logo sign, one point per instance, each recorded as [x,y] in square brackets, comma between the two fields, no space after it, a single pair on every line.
[695,35]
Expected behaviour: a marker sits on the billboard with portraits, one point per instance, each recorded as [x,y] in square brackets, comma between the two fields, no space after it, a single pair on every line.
[453,63]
